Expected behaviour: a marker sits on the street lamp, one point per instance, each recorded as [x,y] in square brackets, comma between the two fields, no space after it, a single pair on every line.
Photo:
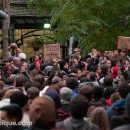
[47,25]
[3,14]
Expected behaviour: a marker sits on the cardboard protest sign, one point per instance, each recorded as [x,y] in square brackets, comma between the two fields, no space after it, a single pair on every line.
[52,51]
[123,43]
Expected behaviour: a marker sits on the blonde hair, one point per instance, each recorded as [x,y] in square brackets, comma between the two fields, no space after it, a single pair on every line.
[99,117]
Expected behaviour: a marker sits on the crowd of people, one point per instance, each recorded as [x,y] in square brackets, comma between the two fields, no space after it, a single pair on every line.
[75,93]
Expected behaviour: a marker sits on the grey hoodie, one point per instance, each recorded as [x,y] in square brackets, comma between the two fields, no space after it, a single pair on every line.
[76,124]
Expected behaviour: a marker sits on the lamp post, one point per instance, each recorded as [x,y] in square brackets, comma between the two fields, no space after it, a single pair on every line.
[3,15]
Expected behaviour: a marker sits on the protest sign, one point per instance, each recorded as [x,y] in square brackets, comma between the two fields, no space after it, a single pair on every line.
[123,43]
[52,51]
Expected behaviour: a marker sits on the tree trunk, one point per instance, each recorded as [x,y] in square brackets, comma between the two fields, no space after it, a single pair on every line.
[5,29]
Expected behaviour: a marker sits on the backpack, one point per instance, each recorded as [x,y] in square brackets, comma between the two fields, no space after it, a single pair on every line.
[62,114]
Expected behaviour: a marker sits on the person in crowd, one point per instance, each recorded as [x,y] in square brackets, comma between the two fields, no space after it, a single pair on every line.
[99,117]
[6,71]
[65,95]
[78,109]
[36,70]
[127,74]
[9,92]
[9,83]
[20,81]
[16,64]
[32,93]
[20,99]
[122,122]
[77,52]
[98,99]
[64,66]
[93,79]
[53,91]
[39,78]
[109,89]
[11,114]
[118,108]
[104,72]
[87,90]
[72,83]
[114,68]
[24,70]
[42,113]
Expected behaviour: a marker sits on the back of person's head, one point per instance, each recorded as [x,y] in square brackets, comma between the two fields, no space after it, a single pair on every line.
[104,70]
[9,81]
[62,74]
[42,112]
[48,69]
[62,64]
[78,107]
[13,112]
[108,92]
[72,83]
[55,80]
[19,98]
[94,68]
[65,93]
[123,90]
[27,85]
[98,93]
[20,80]
[93,76]
[108,80]
[36,85]
[33,92]
[84,79]
[87,90]
[113,62]
[99,117]
[39,78]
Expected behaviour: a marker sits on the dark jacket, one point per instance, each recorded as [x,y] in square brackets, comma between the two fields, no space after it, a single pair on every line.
[124,127]
[117,108]
[118,121]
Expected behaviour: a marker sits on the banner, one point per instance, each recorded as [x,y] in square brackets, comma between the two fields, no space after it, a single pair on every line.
[52,51]
[123,43]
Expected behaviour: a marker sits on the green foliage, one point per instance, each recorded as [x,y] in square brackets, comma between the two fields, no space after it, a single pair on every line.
[95,23]
[38,42]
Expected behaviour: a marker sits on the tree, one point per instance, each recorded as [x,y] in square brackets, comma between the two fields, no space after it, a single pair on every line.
[5,28]
[94,23]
